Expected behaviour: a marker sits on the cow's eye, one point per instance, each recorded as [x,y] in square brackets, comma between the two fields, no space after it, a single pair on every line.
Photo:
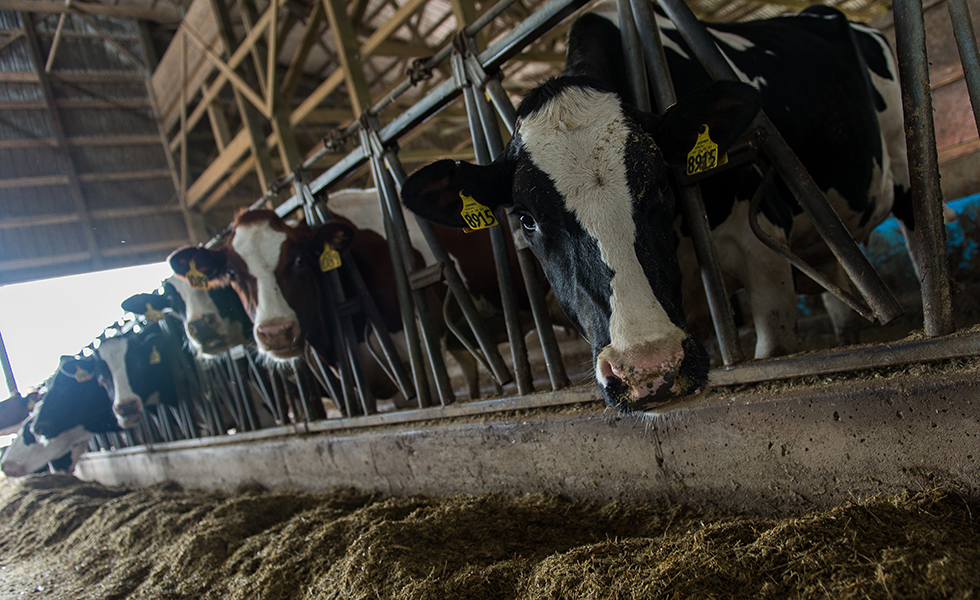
[528,222]
[299,261]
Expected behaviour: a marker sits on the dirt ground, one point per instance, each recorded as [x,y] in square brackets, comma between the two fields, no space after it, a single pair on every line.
[63,538]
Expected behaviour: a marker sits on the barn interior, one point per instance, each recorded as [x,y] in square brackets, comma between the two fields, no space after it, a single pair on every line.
[132,128]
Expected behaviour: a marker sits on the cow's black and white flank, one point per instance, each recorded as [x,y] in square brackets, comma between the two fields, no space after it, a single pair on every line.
[590,178]
[75,407]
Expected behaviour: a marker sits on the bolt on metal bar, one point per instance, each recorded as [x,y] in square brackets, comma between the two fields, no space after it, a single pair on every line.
[927,197]
[825,220]
[966,43]
[455,282]
[719,305]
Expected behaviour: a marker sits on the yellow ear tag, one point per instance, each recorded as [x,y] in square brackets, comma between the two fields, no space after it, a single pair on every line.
[154,356]
[329,258]
[475,214]
[704,156]
[152,315]
[81,375]
[198,280]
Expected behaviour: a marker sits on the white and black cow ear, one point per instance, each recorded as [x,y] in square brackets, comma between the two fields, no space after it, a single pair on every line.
[726,107]
[140,303]
[208,262]
[435,192]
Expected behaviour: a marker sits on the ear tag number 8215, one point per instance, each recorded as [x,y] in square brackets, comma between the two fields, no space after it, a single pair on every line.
[704,156]
[475,214]
[329,258]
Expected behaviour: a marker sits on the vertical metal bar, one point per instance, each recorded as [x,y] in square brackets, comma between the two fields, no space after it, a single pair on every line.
[633,52]
[396,219]
[825,220]
[508,297]
[374,318]
[248,410]
[345,337]
[8,373]
[927,197]
[539,309]
[966,42]
[692,204]
[455,283]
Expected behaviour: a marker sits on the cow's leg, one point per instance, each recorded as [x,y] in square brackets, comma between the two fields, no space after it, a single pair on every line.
[847,324]
[766,276]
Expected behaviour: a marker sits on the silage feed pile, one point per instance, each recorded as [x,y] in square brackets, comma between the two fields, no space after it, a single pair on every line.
[62,538]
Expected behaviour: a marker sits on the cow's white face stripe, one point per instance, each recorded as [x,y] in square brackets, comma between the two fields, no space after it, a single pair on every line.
[113,352]
[259,246]
[197,302]
[579,140]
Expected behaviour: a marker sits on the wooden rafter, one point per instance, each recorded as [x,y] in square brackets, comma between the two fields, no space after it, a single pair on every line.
[57,127]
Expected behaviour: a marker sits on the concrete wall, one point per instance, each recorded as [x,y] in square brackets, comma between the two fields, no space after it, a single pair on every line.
[766,452]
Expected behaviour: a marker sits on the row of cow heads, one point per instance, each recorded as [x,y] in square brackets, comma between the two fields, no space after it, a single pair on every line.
[274,269]
[587,176]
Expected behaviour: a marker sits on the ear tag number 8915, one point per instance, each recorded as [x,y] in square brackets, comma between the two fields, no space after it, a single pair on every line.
[704,156]
[329,258]
[475,214]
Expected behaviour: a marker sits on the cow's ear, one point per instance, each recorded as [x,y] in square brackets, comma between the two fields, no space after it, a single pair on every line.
[337,234]
[209,262]
[140,303]
[435,192]
[727,108]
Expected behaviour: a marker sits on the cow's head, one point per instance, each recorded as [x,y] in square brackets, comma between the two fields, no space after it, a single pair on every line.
[588,177]
[213,317]
[137,371]
[74,398]
[273,267]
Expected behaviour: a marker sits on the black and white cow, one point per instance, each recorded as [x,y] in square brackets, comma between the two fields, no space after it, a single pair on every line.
[138,371]
[214,319]
[590,178]
[75,407]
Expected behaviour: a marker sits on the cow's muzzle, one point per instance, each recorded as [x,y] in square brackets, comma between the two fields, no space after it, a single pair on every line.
[128,412]
[646,376]
[280,338]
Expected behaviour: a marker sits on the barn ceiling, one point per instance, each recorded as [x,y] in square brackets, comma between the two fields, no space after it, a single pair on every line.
[130,128]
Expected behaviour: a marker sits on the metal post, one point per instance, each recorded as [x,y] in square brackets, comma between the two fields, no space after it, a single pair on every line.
[966,42]
[539,309]
[395,226]
[455,283]
[508,297]
[692,203]
[825,220]
[633,51]
[927,197]
[8,373]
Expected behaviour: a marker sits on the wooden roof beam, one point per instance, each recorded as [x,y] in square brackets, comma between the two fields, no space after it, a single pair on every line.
[74,185]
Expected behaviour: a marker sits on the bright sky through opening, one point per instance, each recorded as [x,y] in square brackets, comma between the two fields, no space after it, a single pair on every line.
[42,320]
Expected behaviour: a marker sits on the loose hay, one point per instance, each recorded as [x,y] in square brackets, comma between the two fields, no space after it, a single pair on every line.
[70,539]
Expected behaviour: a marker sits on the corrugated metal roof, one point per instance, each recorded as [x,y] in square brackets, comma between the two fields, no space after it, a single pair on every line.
[94,190]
